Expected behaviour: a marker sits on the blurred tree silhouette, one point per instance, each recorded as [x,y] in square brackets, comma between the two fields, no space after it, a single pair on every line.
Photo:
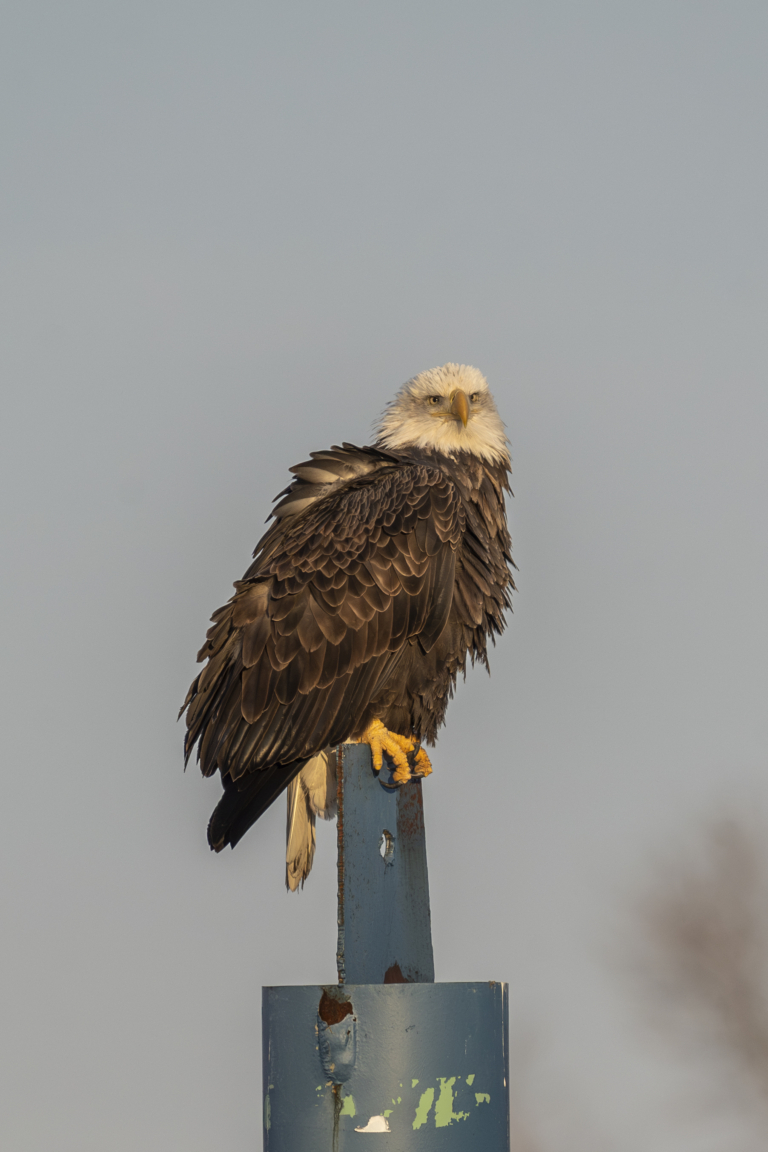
[700,962]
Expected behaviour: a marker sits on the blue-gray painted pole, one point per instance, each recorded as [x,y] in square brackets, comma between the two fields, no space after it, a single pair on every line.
[385,930]
[386,1051]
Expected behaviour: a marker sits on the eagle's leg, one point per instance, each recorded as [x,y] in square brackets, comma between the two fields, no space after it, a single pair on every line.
[379,739]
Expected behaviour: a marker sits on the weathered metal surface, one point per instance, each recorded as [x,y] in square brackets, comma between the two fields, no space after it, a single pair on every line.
[425,1065]
[386,1051]
[385,933]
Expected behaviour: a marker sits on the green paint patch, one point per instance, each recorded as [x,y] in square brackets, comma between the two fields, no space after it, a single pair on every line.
[387,1112]
[471,1079]
[482,1097]
[413,1083]
[444,1113]
[424,1105]
[348,1106]
[267,1113]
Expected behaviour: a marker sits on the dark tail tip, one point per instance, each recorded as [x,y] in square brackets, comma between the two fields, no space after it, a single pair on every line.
[246,799]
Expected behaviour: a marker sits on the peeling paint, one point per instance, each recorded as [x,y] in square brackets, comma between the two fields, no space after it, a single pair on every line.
[348,1106]
[375,1124]
[442,1108]
[387,848]
[267,1113]
[444,1113]
[425,1103]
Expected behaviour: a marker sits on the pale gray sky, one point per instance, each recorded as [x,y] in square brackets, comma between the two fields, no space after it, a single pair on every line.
[230,232]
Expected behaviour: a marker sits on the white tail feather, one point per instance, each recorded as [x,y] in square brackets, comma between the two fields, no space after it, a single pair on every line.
[310,794]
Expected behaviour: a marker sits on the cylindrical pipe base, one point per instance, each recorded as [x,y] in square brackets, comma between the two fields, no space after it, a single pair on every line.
[424,1064]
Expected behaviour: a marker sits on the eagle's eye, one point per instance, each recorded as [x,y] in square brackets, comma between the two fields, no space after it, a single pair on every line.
[434,399]
[475,396]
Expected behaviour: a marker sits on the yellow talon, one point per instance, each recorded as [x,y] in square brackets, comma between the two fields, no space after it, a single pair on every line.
[423,765]
[379,739]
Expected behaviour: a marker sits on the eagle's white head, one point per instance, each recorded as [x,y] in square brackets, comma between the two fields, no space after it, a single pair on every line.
[448,409]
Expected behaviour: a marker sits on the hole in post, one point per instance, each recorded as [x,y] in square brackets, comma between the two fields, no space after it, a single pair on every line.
[332,1009]
[387,847]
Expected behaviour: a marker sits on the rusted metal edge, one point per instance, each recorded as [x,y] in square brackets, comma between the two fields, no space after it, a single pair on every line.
[340,862]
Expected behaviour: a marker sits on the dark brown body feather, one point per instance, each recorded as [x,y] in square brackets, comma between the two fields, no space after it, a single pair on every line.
[381,573]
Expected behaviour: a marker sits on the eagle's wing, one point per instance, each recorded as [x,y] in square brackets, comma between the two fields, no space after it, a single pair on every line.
[339,586]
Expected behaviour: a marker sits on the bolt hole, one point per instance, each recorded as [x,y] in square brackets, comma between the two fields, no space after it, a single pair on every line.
[387,847]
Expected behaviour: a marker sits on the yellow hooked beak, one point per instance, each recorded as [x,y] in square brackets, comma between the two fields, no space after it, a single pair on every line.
[460,406]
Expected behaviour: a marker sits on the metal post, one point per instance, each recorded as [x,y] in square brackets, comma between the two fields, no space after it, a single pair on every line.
[386,1050]
[385,930]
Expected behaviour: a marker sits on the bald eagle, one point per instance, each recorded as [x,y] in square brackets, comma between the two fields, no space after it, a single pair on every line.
[384,568]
